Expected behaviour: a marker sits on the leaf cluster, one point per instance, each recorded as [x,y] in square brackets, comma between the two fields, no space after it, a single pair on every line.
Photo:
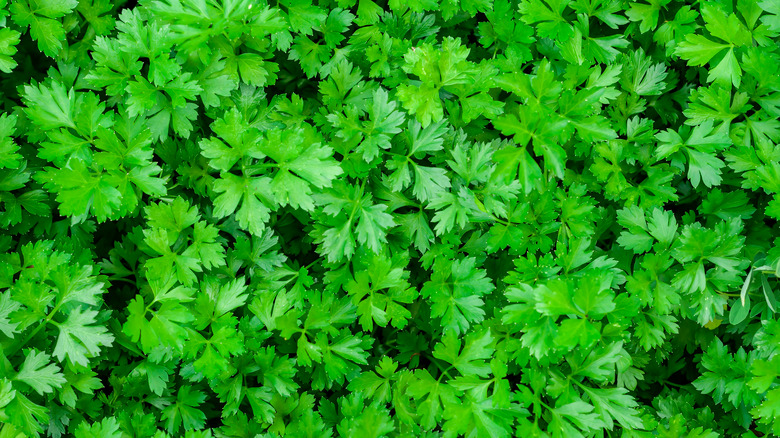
[365,218]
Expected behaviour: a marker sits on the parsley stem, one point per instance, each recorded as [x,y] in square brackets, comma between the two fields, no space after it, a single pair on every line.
[502,221]
[15,347]
[444,371]
[124,280]
[307,267]
[569,378]
[356,202]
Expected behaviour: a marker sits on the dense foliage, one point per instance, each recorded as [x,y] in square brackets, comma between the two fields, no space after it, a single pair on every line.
[356,218]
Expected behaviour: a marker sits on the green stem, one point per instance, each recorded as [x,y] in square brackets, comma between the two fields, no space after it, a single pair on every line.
[307,267]
[15,347]
[124,280]
[444,371]
[502,221]
[356,203]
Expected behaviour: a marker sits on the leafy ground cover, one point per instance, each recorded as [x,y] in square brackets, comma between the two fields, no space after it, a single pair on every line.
[356,218]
